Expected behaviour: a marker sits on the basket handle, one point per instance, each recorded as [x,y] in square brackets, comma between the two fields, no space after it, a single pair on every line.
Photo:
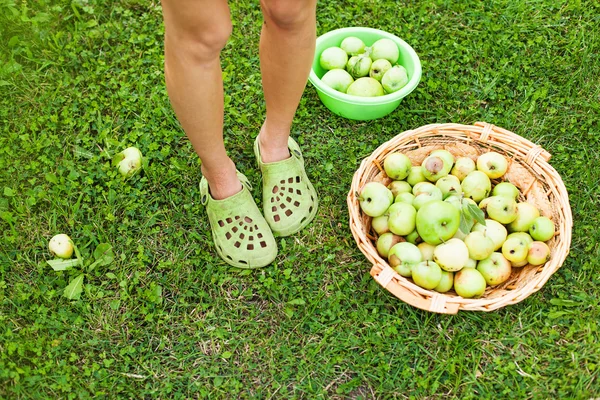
[388,278]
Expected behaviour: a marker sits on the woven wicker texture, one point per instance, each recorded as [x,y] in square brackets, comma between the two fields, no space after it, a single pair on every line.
[528,169]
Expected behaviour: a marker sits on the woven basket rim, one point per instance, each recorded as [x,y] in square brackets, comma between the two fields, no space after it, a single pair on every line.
[524,154]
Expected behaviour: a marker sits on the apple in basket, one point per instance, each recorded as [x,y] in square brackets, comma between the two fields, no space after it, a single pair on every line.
[375,198]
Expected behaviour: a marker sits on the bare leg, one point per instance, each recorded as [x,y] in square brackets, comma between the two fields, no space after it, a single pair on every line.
[195,33]
[287,47]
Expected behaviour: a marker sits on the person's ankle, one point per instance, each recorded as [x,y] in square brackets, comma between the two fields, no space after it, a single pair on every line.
[273,148]
[223,181]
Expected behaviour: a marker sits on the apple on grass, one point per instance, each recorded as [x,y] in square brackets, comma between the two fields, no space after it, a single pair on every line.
[402,218]
[365,87]
[538,253]
[451,255]
[353,46]
[397,166]
[375,199]
[398,187]
[469,283]
[338,79]
[385,242]
[394,79]
[427,274]
[502,209]
[437,221]
[493,164]
[526,214]
[480,246]
[333,58]
[506,189]
[128,161]
[476,186]
[496,269]
[446,282]
[61,246]
[542,229]
[385,48]
[462,167]
[403,256]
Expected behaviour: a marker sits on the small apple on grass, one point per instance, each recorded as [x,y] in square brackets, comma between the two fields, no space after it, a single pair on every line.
[128,161]
[61,246]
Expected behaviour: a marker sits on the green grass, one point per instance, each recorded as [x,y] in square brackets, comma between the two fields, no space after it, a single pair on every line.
[167,319]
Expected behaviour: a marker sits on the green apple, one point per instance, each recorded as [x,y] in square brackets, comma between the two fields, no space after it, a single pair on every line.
[493,164]
[506,189]
[394,79]
[480,246]
[471,263]
[427,196]
[423,187]
[502,209]
[435,167]
[426,250]
[365,87]
[538,253]
[469,283]
[451,255]
[496,269]
[526,214]
[427,274]
[337,79]
[353,46]
[449,185]
[379,68]
[493,230]
[437,221]
[414,237]
[385,242]
[385,48]
[403,257]
[405,198]
[542,229]
[462,167]
[359,66]
[380,224]
[398,187]
[333,58]
[444,155]
[515,249]
[128,161]
[415,175]
[521,235]
[476,186]
[397,166]
[446,282]
[375,199]
[402,218]
[61,246]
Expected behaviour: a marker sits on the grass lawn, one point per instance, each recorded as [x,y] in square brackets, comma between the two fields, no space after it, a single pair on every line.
[81,80]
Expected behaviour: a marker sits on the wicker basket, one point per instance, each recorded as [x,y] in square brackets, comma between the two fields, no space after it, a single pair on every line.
[528,169]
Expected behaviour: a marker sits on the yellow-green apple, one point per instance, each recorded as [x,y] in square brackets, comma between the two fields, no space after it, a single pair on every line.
[426,250]
[427,274]
[359,66]
[405,198]
[61,246]
[353,46]
[480,246]
[402,218]
[413,237]
[538,253]
[515,249]
[415,175]
[437,221]
[398,187]
[502,209]
[463,166]
[526,214]
[446,282]
[380,224]
[397,166]
[496,269]
[518,264]
[444,154]
[385,48]
[379,68]
[449,185]
[471,263]
[337,79]
[394,79]
[542,229]
[521,235]
[426,195]
[435,167]
[385,242]
[128,161]
[493,164]
[476,186]
[365,87]
[333,58]
[493,230]
[403,257]
[451,255]
[505,189]
[469,283]
[375,199]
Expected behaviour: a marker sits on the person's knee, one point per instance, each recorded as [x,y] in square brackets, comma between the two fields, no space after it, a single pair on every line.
[288,14]
[203,44]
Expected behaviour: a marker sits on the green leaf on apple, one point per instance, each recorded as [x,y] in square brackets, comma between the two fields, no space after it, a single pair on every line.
[476,213]
[464,225]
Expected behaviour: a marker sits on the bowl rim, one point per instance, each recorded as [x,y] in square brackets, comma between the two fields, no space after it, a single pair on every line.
[388,98]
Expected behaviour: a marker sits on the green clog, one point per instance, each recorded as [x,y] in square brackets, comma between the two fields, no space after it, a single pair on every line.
[242,236]
[289,199]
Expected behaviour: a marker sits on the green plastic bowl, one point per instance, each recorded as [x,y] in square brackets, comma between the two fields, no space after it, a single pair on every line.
[363,108]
